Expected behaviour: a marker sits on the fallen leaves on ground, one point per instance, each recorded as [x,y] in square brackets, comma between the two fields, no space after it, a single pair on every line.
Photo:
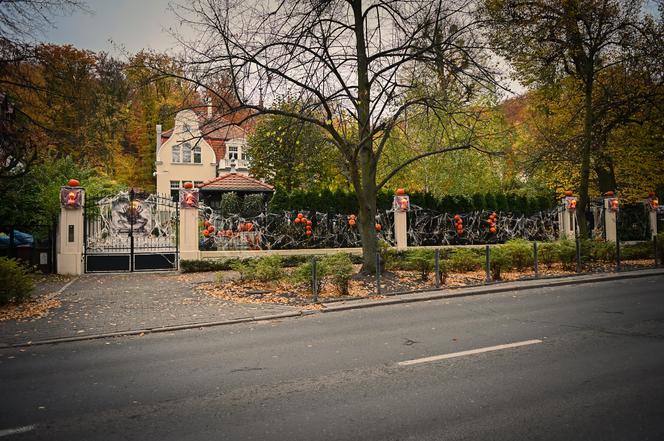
[30,309]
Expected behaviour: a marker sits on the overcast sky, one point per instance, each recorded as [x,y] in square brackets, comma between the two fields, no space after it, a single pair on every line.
[134,24]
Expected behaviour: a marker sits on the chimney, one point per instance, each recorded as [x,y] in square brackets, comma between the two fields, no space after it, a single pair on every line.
[158,138]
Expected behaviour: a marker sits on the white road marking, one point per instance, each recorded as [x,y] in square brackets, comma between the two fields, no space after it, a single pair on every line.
[469,352]
[24,429]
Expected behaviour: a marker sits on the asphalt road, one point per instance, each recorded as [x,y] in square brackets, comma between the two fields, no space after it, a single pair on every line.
[595,372]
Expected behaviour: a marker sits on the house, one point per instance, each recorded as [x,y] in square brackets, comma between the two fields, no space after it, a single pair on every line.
[199,148]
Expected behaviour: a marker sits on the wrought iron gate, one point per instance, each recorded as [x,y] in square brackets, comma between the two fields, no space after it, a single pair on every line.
[131,232]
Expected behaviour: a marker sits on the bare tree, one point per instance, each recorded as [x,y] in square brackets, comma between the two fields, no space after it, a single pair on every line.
[358,66]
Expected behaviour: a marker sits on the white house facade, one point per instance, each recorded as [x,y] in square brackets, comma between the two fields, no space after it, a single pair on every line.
[198,149]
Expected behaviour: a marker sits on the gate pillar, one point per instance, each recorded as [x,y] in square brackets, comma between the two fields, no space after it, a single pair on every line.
[611,206]
[69,238]
[567,217]
[189,224]
[652,204]
[401,206]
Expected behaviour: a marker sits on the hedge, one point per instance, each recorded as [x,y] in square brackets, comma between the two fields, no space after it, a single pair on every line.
[344,202]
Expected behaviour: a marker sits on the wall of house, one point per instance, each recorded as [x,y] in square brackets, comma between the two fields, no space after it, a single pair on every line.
[186,130]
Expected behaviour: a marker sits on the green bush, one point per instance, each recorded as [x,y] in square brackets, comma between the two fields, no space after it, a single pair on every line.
[520,253]
[302,275]
[15,282]
[263,269]
[195,266]
[567,254]
[269,268]
[252,205]
[230,203]
[501,259]
[601,251]
[547,253]
[421,261]
[643,250]
[339,268]
[464,260]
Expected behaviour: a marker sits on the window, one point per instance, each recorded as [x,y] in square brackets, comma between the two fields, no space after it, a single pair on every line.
[232,153]
[175,190]
[186,152]
[176,154]
[175,185]
[244,156]
[197,154]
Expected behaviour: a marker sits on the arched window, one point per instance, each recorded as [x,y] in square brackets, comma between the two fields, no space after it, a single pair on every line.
[175,153]
[197,154]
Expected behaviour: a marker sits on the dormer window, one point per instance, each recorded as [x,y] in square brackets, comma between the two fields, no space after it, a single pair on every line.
[232,153]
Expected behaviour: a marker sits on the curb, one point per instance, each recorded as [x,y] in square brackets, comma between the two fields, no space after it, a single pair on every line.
[467,292]
[357,304]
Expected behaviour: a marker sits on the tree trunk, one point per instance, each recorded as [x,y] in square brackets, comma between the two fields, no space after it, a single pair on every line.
[585,157]
[606,178]
[365,183]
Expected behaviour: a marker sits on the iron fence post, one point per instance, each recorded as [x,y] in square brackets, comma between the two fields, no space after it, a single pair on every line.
[655,246]
[437,267]
[488,263]
[378,273]
[314,284]
[578,254]
[535,260]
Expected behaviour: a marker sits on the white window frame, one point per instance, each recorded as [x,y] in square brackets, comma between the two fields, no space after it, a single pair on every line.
[176,157]
[175,185]
[196,155]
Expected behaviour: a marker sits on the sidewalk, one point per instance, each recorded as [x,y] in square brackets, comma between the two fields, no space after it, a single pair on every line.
[109,303]
[105,305]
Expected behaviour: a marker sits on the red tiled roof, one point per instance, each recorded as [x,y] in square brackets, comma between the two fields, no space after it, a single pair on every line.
[236,182]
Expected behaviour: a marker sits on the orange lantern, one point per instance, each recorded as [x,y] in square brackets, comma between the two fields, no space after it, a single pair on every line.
[71,198]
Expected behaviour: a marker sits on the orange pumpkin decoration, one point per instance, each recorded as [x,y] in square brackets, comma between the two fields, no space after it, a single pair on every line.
[206,223]
[297,220]
[569,192]
[188,185]
[300,215]
[308,223]
[308,228]
[206,233]
[309,233]
[492,230]
[210,228]
[609,194]
[249,226]
[351,222]
[379,227]
[457,217]
[73,183]
[400,192]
